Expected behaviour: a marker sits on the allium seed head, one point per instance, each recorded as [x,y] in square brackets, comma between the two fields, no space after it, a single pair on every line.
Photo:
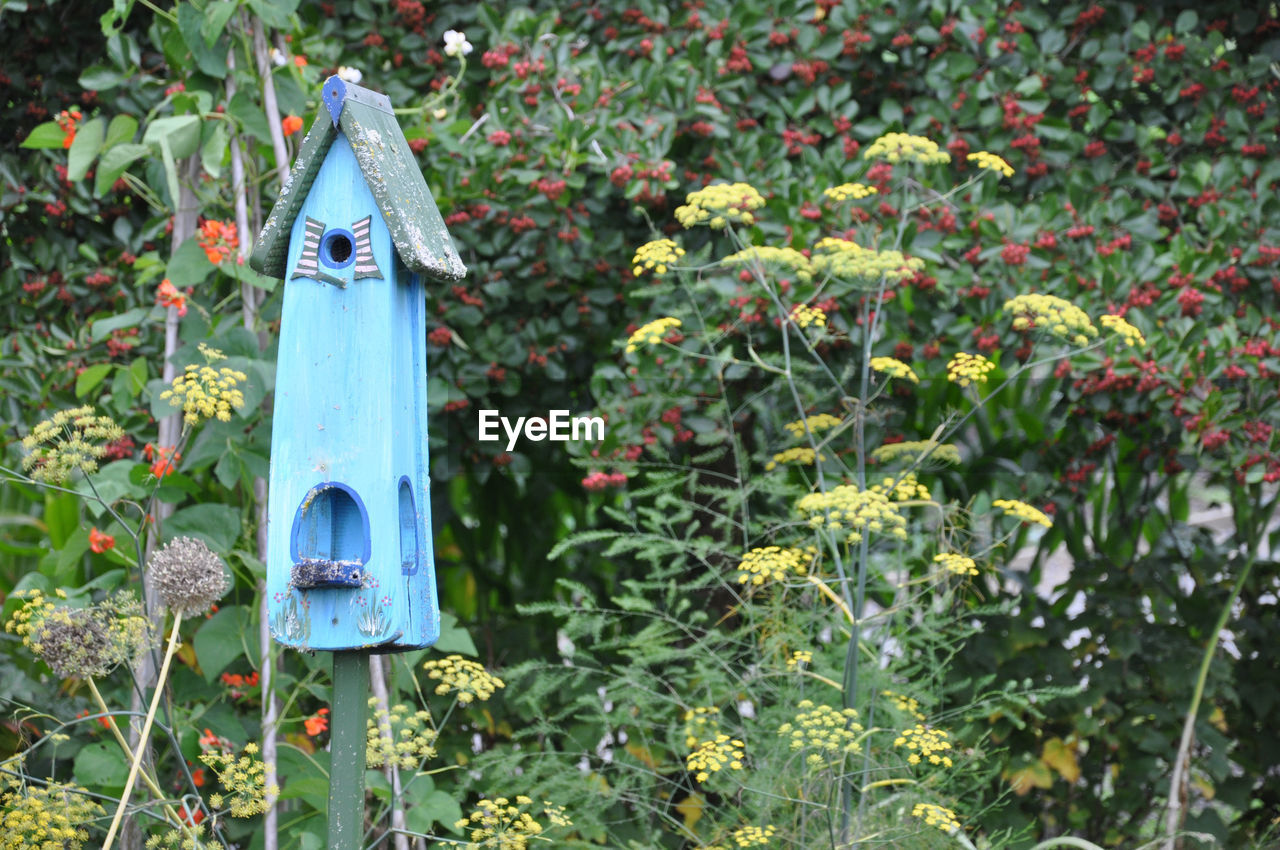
[188,576]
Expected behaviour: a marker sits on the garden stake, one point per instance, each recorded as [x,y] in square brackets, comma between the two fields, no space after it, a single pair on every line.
[346,749]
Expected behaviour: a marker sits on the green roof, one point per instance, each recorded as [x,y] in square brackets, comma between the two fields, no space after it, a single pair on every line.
[388,166]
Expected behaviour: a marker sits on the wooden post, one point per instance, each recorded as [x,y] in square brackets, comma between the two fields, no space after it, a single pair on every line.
[347,740]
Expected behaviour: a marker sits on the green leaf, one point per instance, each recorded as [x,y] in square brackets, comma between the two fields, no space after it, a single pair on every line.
[274,13]
[210,58]
[434,807]
[216,15]
[46,135]
[216,525]
[1186,22]
[181,131]
[121,129]
[103,328]
[454,638]
[115,162]
[101,766]
[188,266]
[250,116]
[91,377]
[61,516]
[221,640]
[214,148]
[100,78]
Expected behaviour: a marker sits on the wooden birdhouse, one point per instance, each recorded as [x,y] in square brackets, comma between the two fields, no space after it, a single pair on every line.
[354,235]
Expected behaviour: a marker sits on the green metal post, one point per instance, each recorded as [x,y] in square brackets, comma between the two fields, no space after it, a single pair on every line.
[347,749]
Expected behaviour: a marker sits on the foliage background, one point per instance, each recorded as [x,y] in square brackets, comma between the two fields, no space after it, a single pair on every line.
[1144,139]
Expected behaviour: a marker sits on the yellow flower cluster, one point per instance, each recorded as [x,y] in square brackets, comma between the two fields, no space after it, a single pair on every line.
[752,836]
[903,489]
[983,159]
[49,817]
[498,823]
[1117,324]
[829,732]
[398,736]
[1023,511]
[180,838]
[204,392]
[772,563]
[655,256]
[904,703]
[965,369]
[899,147]
[713,755]
[788,258]
[720,205]
[468,678]
[925,743]
[797,455]
[700,723]
[957,564]
[941,452]
[244,780]
[70,440]
[1056,315]
[820,422]
[804,315]
[848,507]
[26,620]
[799,657]
[845,259]
[894,368]
[651,332]
[850,191]
[943,818]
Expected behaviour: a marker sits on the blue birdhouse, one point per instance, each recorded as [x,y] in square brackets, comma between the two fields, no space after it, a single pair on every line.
[354,234]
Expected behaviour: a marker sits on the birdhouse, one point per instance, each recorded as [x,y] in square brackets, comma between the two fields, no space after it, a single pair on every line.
[354,235]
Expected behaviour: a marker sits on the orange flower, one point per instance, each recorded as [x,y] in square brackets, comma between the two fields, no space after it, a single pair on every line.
[67,120]
[100,542]
[218,239]
[291,124]
[167,295]
[300,61]
[317,723]
[164,459]
[197,776]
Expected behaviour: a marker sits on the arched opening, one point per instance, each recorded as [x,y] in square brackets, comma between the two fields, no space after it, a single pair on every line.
[330,542]
[408,530]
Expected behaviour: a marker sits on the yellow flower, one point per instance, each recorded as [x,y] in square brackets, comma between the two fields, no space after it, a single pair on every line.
[469,679]
[1023,511]
[803,456]
[965,369]
[943,818]
[788,258]
[718,205]
[894,368]
[830,733]
[925,745]
[845,259]
[700,723]
[752,836]
[984,159]
[651,333]
[906,704]
[957,564]
[69,440]
[847,191]
[655,256]
[204,392]
[901,147]
[819,422]
[847,507]
[398,736]
[243,779]
[804,315]
[773,563]
[902,489]
[940,452]
[498,823]
[713,755]
[1056,315]
[1131,335]
[798,658]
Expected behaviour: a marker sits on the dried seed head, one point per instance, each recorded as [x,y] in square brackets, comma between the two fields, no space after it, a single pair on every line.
[75,642]
[188,576]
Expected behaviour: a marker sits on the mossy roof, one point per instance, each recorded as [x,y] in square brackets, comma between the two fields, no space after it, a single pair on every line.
[389,168]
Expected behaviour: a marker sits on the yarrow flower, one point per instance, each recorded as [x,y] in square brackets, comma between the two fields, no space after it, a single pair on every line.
[915,449]
[773,563]
[655,256]
[827,731]
[965,369]
[188,576]
[957,564]
[847,507]
[844,259]
[804,315]
[713,755]
[399,736]
[1117,325]
[849,191]
[894,368]
[943,818]
[1056,315]
[1023,511]
[651,332]
[206,393]
[925,744]
[456,44]
[720,205]
[802,456]
[499,823]
[69,440]
[901,147]
[814,424]
[983,159]
[768,255]
[469,679]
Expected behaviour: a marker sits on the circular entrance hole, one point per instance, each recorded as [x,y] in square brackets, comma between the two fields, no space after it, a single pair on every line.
[336,250]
